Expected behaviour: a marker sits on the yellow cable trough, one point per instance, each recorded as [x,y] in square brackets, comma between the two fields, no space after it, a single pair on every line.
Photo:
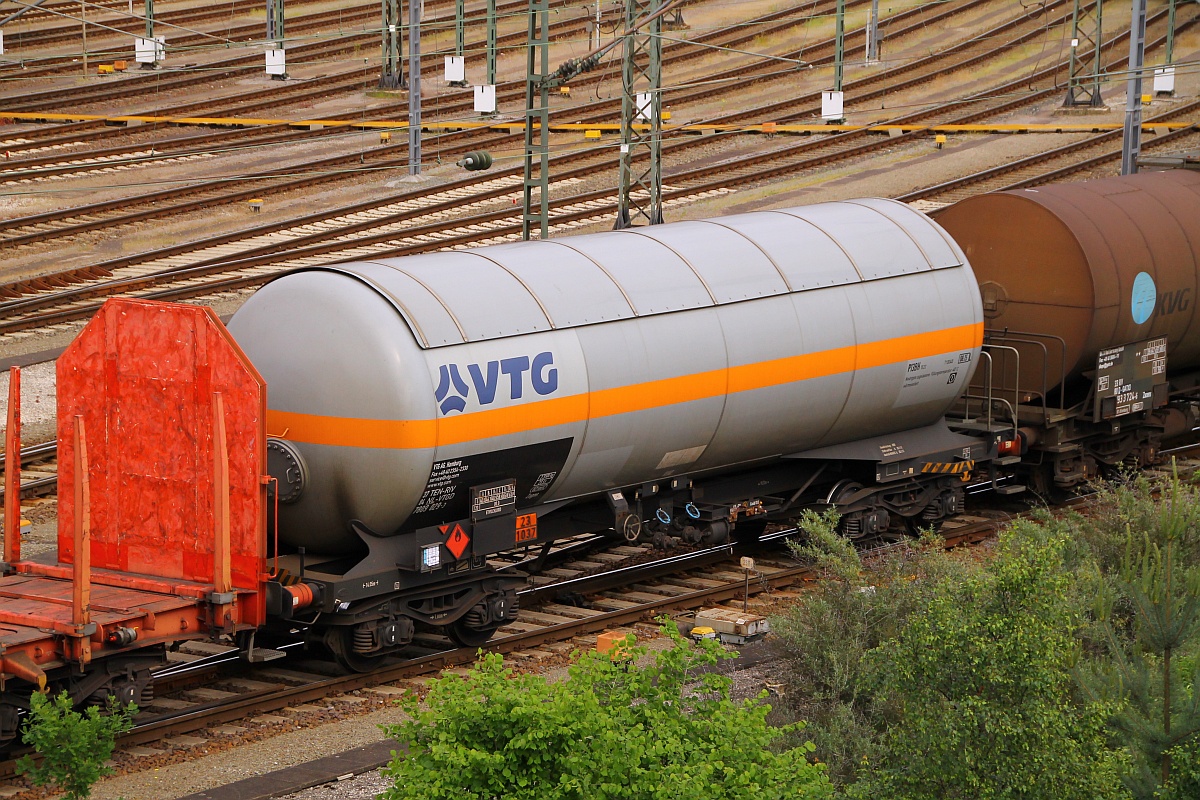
[768,128]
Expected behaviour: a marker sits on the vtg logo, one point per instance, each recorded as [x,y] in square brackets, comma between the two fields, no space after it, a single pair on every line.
[1147,303]
[452,390]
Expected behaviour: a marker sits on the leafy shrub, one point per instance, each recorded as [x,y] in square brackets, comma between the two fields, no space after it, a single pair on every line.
[828,634]
[611,731]
[982,680]
[73,746]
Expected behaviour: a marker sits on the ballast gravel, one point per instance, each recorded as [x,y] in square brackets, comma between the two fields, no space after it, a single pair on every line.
[253,759]
[359,787]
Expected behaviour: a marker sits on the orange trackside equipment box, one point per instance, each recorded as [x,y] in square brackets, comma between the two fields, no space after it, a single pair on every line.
[162,512]
[611,642]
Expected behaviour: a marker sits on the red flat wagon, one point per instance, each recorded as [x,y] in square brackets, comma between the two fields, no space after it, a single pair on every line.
[162,512]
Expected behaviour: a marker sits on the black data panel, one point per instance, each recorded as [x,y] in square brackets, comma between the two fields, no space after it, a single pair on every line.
[1127,377]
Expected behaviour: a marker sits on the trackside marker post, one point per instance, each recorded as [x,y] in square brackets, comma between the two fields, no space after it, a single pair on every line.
[747,565]
[12,471]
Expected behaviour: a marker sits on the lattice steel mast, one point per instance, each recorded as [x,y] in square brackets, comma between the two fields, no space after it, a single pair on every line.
[1083,78]
[639,196]
[391,76]
[538,83]
[537,109]
[1131,145]
[414,87]
[274,22]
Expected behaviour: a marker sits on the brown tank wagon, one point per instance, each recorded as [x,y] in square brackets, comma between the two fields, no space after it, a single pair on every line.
[1092,326]
[1077,268]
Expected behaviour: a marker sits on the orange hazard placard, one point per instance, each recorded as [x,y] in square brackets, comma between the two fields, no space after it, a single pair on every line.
[458,540]
[526,527]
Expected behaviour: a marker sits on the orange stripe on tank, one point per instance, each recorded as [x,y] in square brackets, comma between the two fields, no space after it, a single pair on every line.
[428,433]
[352,432]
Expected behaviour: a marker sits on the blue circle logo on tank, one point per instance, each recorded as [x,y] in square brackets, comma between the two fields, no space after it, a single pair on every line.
[1143,299]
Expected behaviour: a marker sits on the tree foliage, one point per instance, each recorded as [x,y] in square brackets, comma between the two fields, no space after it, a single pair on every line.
[926,675]
[72,746]
[831,631]
[982,686]
[1064,667]
[611,730]
[1147,607]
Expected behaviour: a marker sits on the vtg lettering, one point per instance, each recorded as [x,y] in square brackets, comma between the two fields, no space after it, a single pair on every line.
[485,380]
[1172,302]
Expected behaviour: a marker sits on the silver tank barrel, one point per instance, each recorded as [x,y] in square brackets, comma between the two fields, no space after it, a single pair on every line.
[586,363]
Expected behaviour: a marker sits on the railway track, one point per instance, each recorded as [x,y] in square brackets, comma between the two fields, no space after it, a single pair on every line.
[43,227]
[71,135]
[49,167]
[39,470]
[32,454]
[210,695]
[17,42]
[457,105]
[131,155]
[243,36]
[47,10]
[98,216]
[376,240]
[30,19]
[607,590]
[1093,153]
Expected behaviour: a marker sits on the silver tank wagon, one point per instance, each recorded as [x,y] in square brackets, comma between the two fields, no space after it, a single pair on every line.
[590,363]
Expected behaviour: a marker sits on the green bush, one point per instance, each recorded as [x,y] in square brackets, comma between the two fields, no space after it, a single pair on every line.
[925,675]
[1185,773]
[73,747]
[982,681]
[828,634]
[611,731]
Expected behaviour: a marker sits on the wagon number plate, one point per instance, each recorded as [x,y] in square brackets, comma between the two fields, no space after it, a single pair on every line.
[526,527]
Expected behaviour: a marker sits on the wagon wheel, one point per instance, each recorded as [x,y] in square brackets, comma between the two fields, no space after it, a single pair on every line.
[465,636]
[340,642]
[915,525]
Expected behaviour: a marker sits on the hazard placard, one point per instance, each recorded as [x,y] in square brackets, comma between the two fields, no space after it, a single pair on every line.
[456,539]
[526,527]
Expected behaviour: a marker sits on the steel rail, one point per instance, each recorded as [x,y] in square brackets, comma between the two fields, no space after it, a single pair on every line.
[97,208]
[143,153]
[41,8]
[681,51]
[37,487]
[213,713]
[204,715]
[174,274]
[34,453]
[40,37]
[1097,140]
[240,263]
[50,65]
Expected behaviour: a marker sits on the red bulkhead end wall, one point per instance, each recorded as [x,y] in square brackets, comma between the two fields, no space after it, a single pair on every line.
[143,375]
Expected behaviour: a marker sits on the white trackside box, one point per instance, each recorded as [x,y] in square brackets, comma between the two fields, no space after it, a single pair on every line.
[734,627]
